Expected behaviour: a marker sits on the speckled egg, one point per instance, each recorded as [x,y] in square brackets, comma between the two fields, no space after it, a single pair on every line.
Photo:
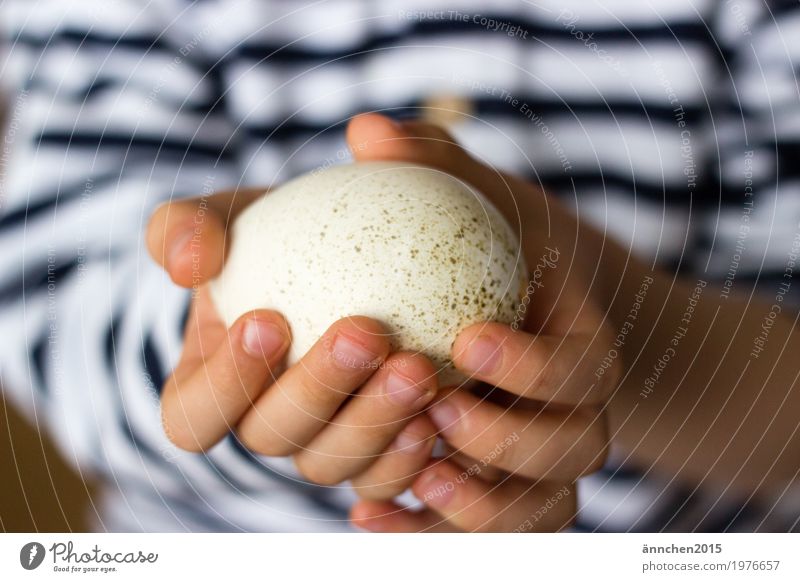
[408,245]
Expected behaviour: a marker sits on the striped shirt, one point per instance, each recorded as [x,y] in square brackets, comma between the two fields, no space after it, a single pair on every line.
[662,122]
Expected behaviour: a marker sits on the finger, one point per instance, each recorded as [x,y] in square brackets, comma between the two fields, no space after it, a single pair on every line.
[488,473]
[557,369]
[200,407]
[385,516]
[369,421]
[187,237]
[559,445]
[372,137]
[204,333]
[294,409]
[397,468]
[470,504]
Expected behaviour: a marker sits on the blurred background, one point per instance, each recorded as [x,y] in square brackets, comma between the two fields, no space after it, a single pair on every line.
[38,491]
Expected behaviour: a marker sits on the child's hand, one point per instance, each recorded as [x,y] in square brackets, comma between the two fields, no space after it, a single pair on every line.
[230,379]
[515,453]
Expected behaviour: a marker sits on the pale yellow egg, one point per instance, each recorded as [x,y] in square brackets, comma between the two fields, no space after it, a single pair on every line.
[408,245]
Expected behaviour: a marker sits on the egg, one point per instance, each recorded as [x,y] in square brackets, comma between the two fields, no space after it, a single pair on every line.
[408,245]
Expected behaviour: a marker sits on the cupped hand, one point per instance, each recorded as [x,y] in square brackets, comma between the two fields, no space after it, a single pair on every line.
[336,411]
[515,450]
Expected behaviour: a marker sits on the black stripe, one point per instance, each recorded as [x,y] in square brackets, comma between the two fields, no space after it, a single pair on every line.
[35,278]
[223,475]
[785,168]
[97,40]
[720,518]
[577,181]
[82,95]
[747,512]
[788,153]
[123,421]
[139,444]
[582,526]
[39,359]
[109,343]
[151,145]
[99,86]
[293,129]
[612,112]
[778,8]
[315,494]
[619,473]
[184,318]
[665,509]
[679,32]
[92,38]
[196,507]
[152,364]
[60,196]
[558,181]
[419,32]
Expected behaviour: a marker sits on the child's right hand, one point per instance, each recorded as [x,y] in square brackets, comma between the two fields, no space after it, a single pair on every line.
[229,379]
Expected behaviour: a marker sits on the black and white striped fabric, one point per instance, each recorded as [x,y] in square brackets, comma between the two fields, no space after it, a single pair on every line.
[659,121]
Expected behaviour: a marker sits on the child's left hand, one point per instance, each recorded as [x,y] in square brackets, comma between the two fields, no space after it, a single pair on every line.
[514,454]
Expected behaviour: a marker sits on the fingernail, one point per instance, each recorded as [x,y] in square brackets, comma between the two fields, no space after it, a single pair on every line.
[408,444]
[483,356]
[178,246]
[445,417]
[349,354]
[403,391]
[435,491]
[262,338]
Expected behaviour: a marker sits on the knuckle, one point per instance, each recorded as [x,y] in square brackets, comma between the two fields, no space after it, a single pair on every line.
[535,381]
[313,392]
[310,467]
[183,438]
[227,391]
[376,491]
[504,457]
[267,443]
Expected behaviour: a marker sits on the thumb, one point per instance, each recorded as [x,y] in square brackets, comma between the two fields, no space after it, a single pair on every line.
[375,137]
